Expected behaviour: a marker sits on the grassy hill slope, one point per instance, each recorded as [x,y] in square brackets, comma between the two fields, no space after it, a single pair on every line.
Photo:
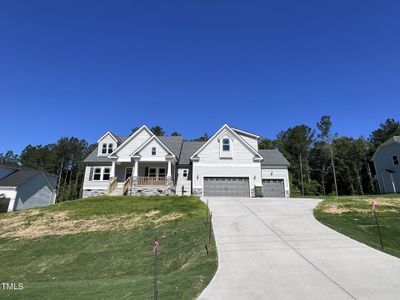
[101,248]
[353,216]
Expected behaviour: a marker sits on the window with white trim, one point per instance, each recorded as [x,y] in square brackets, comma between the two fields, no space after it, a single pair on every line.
[104,149]
[107,148]
[395,160]
[97,174]
[106,173]
[185,173]
[110,148]
[153,151]
[226,144]
[161,172]
[152,172]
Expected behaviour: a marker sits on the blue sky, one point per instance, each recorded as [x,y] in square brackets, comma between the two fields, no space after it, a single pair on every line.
[79,68]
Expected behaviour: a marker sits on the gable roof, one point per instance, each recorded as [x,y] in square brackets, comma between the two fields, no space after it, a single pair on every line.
[246,133]
[110,134]
[273,157]
[131,137]
[188,149]
[393,140]
[149,140]
[230,130]
[173,143]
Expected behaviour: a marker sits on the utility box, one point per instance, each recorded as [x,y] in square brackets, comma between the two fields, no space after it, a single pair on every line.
[258,191]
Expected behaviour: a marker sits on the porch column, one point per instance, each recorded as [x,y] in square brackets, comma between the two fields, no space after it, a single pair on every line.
[169,169]
[135,173]
[136,169]
[113,169]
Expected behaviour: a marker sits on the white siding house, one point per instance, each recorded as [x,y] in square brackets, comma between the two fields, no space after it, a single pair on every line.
[228,164]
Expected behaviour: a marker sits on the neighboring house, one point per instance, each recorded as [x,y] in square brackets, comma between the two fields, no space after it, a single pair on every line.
[228,164]
[26,188]
[387,165]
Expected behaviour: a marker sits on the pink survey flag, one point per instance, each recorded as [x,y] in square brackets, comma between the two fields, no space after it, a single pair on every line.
[373,205]
[155,249]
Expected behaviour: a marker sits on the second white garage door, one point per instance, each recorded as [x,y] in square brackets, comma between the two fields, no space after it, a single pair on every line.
[226,186]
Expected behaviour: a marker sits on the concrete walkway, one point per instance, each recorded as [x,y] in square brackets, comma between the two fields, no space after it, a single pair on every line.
[275,249]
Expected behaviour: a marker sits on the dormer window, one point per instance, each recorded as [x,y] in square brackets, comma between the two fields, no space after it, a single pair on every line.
[104,149]
[107,148]
[153,151]
[395,160]
[226,146]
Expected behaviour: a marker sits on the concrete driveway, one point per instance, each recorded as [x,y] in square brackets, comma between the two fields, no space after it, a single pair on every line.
[275,249]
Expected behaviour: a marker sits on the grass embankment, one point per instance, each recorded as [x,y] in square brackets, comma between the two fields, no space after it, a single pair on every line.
[101,248]
[353,216]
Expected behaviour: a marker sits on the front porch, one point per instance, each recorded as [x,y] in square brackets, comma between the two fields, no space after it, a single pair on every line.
[142,178]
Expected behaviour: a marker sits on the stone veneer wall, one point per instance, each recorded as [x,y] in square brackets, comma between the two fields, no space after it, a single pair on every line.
[153,191]
[92,193]
[253,193]
[167,190]
[198,192]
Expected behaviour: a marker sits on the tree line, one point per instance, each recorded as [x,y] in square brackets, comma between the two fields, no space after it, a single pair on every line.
[322,162]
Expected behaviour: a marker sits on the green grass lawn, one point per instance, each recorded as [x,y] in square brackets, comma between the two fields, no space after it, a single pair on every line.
[353,216]
[101,248]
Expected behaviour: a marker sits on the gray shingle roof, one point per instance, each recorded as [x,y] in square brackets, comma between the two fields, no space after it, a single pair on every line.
[188,149]
[92,157]
[22,174]
[121,139]
[273,157]
[173,143]
[18,177]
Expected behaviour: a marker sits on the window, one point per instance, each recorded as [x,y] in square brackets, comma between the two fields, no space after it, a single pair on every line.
[153,151]
[107,148]
[152,172]
[226,145]
[110,148]
[395,160]
[104,149]
[185,173]
[161,172]
[106,174]
[97,174]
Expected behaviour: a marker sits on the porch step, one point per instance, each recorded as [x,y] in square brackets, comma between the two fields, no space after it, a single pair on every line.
[116,192]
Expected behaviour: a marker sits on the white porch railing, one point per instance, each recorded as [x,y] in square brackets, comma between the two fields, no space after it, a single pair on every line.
[151,181]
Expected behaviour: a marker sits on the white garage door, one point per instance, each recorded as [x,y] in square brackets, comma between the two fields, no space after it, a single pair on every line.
[273,188]
[226,186]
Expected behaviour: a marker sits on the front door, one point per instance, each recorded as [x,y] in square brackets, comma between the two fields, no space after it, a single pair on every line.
[128,173]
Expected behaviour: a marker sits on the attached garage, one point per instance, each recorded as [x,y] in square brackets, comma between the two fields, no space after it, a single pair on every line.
[273,188]
[226,187]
